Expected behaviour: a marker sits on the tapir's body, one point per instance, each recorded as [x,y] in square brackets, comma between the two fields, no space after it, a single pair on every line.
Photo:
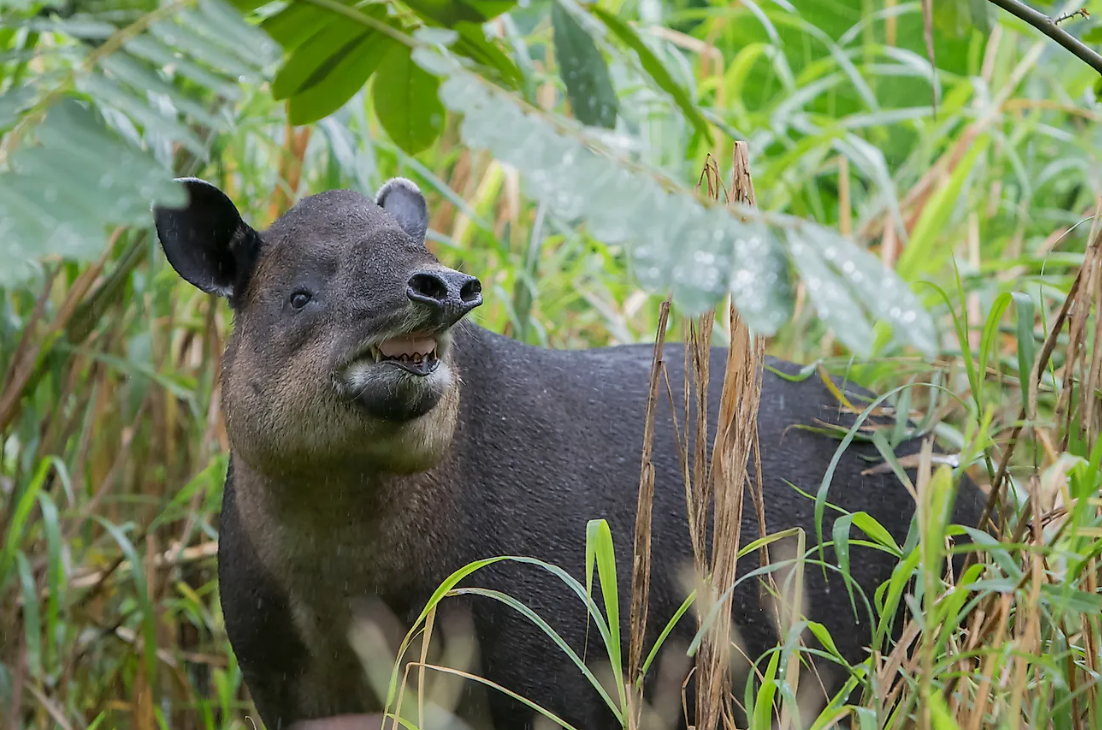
[535,443]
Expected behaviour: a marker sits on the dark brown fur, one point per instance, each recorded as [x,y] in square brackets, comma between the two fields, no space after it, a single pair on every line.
[349,482]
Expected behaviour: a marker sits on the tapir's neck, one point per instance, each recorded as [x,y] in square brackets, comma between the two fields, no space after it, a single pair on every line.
[379,523]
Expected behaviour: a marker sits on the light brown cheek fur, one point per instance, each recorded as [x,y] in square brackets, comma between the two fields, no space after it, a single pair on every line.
[285,421]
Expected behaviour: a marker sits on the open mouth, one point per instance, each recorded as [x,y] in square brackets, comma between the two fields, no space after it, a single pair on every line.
[414,354]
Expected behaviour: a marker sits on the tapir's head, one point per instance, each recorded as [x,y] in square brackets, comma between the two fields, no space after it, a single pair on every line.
[341,350]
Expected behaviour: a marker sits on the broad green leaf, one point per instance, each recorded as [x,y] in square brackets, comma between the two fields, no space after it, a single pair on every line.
[489,9]
[655,69]
[128,69]
[314,59]
[200,47]
[296,23]
[886,297]
[406,102]
[13,103]
[584,71]
[448,13]
[78,27]
[225,25]
[760,283]
[246,6]
[982,14]
[343,79]
[445,12]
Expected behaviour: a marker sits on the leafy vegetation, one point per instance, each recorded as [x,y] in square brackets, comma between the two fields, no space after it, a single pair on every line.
[560,145]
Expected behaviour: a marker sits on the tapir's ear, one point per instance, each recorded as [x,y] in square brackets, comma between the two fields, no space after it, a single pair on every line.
[207,242]
[403,200]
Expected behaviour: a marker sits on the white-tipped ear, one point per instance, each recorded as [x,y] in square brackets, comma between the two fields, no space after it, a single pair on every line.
[403,200]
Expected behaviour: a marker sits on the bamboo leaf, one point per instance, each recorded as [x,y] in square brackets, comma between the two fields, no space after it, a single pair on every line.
[72,180]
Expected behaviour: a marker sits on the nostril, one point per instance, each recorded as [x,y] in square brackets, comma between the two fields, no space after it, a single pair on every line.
[429,286]
[471,290]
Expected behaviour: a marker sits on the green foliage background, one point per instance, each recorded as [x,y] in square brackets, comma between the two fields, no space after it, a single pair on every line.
[977,175]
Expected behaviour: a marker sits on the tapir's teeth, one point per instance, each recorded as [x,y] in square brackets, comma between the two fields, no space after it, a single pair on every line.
[408,345]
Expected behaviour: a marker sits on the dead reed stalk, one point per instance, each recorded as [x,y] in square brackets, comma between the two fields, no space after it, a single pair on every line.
[640,576]
[723,481]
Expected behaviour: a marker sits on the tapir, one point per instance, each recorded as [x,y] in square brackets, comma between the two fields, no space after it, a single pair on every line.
[381,439]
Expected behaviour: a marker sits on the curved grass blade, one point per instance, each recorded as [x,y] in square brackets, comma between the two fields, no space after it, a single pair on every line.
[149,635]
[535,618]
[598,543]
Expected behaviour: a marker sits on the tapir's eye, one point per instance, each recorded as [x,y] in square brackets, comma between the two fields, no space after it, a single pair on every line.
[300,299]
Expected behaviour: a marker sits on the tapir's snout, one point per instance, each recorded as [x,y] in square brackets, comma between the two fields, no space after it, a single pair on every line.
[448,293]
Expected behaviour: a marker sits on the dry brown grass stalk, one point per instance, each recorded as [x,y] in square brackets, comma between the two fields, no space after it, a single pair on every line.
[724,479]
[640,577]
[24,365]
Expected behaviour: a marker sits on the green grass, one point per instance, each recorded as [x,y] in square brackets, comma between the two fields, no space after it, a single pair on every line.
[112,448]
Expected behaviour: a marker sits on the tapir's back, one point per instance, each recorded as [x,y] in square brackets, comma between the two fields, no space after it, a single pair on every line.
[553,439]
